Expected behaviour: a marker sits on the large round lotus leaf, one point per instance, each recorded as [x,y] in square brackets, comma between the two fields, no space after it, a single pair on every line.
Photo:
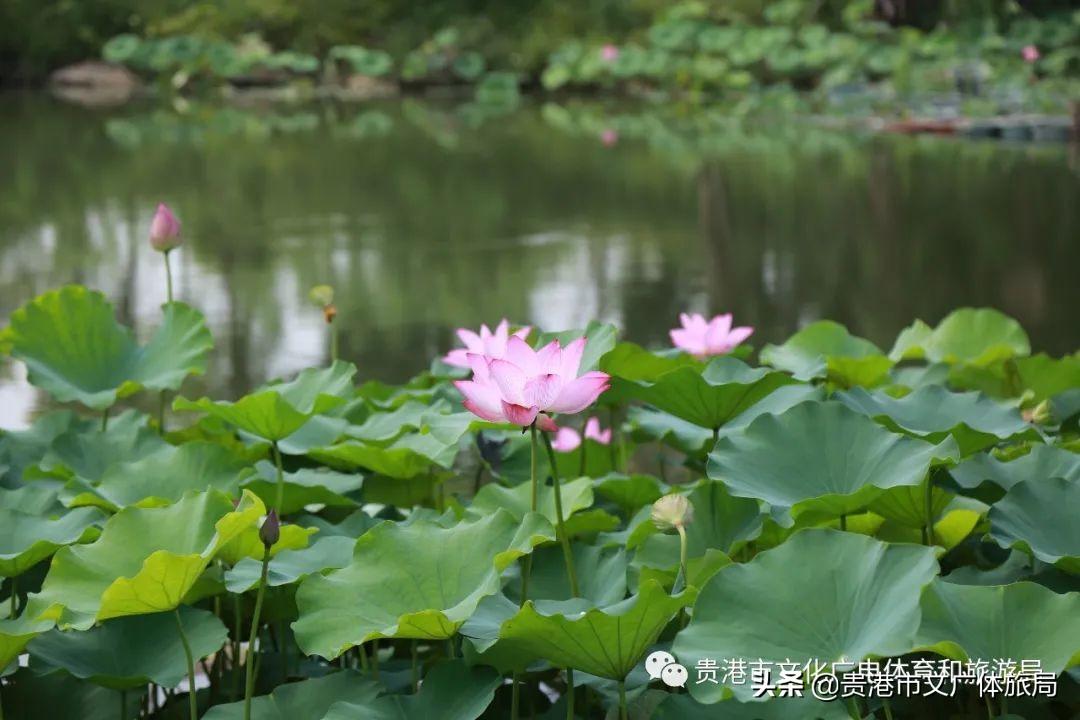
[278,410]
[633,362]
[968,335]
[575,494]
[145,561]
[288,566]
[307,700]
[1039,516]
[87,453]
[1039,377]
[127,653]
[165,476]
[1044,461]
[629,492]
[820,457]
[822,595]
[20,449]
[412,454]
[16,633]
[306,486]
[608,642]
[709,398]
[932,412]
[419,580]
[451,691]
[826,349]
[1018,621]
[721,522]
[26,540]
[65,697]
[600,572]
[75,349]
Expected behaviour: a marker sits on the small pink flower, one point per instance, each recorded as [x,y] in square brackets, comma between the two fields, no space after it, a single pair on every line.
[702,338]
[609,136]
[594,433]
[524,384]
[566,440]
[487,343]
[164,229]
[609,53]
[1030,53]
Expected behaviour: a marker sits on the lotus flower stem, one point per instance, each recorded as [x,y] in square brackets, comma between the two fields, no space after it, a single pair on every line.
[14,597]
[682,553]
[237,619]
[843,521]
[623,713]
[928,529]
[253,637]
[615,438]
[375,658]
[168,278]
[569,693]
[564,540]
[193,702]
[515,697]
[333,344]
[104,419]
[415,667]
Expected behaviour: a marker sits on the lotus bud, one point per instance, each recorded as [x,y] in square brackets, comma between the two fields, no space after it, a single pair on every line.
[1038,415]
[164,230]
[322,295]
[270,531]
[672,512]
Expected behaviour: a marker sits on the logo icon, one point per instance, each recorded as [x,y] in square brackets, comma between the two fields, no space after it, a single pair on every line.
[662,666]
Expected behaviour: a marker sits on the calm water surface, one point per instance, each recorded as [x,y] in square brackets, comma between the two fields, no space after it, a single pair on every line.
[429,217]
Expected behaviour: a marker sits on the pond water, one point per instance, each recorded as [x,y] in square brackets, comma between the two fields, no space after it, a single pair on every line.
[426,217]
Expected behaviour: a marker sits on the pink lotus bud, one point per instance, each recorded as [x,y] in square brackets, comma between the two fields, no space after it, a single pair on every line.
[270,531]
[164,229]
[594,433]
[609,53]
[1030,53]
[609,137]
[566,440]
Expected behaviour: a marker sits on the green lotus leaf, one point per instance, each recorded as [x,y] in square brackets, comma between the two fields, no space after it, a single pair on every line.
[950,529]
[278,410]
[932,412]
[383,427]
[75,349]
[984,622]
[145,561]
[309,699]
[130,652]
[721,522]
[633,362]
[20,449]
[650,424]
[165,476]
[607,642]
[1044,461]
[412,454]
[826,349]
[306,486]
[1039,517]
[601,575]
[288,566]
[685,707]
[87,453]
[26,540]
[822,595]
[575,494]
[725,388]
[353,526]
[66,697]
[451,691]
[40,497]
[968,335]
[629,492]
[420,580]
[1039,376]
[16,634]
[820,457]
[318,431]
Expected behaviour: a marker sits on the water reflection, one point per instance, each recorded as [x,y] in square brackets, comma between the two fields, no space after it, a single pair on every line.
[429,217]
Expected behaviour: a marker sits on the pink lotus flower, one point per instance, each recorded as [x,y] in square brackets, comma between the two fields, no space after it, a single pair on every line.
[594,433]
[164,229]
[609,53]
[524,384]
[701,337]
[487,343]
[566,440]
[1030,53]
[609,137]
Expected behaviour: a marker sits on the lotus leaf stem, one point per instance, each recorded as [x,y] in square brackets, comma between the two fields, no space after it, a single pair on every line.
[193,701]
[623,712]
[280,499]
[564,539]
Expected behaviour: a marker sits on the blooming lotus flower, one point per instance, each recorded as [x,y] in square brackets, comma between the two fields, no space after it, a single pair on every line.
[525,383]
[164,229]
[701,337]
[594,433]
[1030,53]
[566,440]
[487,343]
[609,53]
